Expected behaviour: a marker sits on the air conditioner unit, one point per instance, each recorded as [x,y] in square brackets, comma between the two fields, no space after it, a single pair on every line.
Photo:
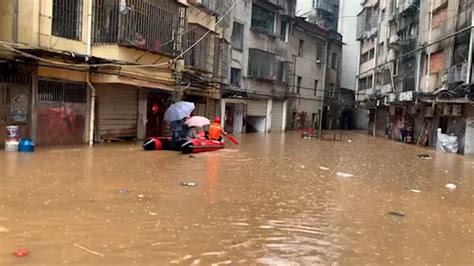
[318,61]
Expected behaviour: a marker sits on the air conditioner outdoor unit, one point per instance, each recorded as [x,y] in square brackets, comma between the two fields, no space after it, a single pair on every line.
[318,61]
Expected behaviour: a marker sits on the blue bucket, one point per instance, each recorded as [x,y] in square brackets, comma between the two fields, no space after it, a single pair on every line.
[26,145]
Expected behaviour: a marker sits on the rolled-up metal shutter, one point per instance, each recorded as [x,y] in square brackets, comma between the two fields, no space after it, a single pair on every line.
[277,116]
[257,108]
[117,112]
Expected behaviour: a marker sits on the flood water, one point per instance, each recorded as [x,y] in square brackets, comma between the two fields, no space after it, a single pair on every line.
[277,199]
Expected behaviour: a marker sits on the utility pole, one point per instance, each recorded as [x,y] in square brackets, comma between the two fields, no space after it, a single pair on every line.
[430,29]
[471,44]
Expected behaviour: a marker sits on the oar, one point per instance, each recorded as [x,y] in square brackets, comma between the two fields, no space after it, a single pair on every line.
[231,139]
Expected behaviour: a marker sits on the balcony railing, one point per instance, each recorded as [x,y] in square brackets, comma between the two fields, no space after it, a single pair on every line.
[201,56]
[457,73]
[367,23]
[155,25]
[409,5]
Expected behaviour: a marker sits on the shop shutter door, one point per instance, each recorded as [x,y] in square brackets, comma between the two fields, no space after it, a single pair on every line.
[277,116]
[257,108]
[117,112]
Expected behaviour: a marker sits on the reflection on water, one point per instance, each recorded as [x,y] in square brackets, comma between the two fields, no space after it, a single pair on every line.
[275,200]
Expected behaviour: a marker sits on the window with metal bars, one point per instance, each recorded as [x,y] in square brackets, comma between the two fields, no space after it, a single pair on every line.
[61,91]
[263,65]
[67,19]
[201,56]
[155,25]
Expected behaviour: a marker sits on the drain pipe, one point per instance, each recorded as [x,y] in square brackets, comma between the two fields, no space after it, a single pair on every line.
[88,76]
[15,21]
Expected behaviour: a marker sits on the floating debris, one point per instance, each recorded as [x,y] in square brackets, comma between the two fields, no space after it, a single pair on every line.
[3,229]
[89,250]
[398,214]
[152,213]
[141,196]
[123,191]
[324,168]
[415,190]
[451,186]
[425,156]
[188,184]
[21,252]
[344,174]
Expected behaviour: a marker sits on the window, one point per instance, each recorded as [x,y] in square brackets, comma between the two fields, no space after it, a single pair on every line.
[262,19]
[235,75]
[201,55]
[284,31]
[333,91]
[319,53]
[334,63]
[315,87]
[440,16]
[436,62]
[369,82]
[298,84]
[67,19]
[263,65]
[395,68]
[156,25]
[300,48]
[238,36]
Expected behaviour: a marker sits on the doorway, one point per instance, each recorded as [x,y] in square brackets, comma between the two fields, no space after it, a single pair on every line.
[157,102]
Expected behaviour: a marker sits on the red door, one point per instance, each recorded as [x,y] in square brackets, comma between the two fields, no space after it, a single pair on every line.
[156,107]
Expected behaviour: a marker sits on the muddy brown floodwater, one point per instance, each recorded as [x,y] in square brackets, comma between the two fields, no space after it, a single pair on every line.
[277,199]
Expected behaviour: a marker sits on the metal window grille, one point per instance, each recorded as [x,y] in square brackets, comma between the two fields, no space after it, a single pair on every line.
[155,25]
[202,55]
[238,36]
[67,19]
[262,19]
[50,90]
[263,65]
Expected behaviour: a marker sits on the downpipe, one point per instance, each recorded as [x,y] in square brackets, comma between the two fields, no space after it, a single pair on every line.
[88,75]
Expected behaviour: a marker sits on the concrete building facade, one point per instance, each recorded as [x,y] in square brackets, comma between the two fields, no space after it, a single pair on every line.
[419,75]
[87,71]
[260,67]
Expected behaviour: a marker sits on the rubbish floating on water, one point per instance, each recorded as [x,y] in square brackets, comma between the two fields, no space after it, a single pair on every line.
[141,196]
[398,214]
[21,252]
[88,250]
[188,184]
[415,190]
[192,156]
[302,166]
[344,174]
[123,191]
[349,140]
[152,213]
[3,229]
[451,186]
[323,168]
[424,156]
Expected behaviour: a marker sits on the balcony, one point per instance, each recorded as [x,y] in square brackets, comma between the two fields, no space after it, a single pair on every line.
[328,6]
[367,23]
[457,73]
[409,5]
[201,57]
[153,25]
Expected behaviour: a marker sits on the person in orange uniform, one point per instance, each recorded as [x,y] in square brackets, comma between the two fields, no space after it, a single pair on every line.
[215,130]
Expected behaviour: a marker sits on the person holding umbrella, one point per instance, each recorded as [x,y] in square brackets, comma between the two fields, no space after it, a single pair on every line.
[175,115]
[192,123]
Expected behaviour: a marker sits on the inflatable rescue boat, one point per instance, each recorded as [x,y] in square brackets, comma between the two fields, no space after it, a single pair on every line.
[185,146]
